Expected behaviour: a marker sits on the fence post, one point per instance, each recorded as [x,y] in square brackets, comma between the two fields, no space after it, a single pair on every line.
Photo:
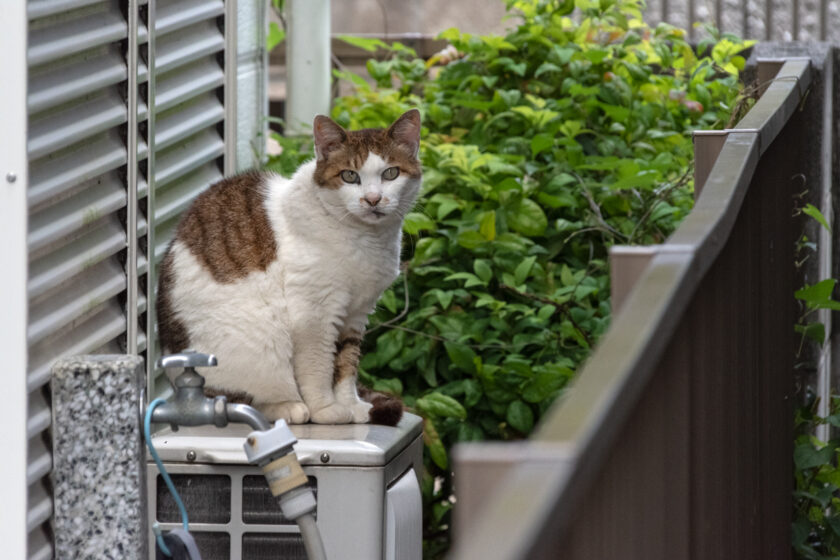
[627,263]
[308,64]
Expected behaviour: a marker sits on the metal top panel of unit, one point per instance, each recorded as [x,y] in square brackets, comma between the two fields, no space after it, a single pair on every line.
[360,445]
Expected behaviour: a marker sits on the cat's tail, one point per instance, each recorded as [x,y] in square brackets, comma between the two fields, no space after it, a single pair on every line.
[387,409]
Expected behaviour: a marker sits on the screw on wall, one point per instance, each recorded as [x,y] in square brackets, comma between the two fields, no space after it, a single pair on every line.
[190,456]
[325,457]
[11,177]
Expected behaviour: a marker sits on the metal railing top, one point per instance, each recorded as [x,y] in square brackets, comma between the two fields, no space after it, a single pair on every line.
[583,425]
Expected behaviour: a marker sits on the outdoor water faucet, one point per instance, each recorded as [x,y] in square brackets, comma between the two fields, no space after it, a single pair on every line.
[268,447]
[190,407]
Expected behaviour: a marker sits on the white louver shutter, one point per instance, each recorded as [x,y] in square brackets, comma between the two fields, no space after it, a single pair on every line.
[188,129]
[81,91]
[77,199]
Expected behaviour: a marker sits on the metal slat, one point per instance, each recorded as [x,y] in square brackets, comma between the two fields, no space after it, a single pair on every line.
[103,325]
[176,14]
[40,506]
[74,123]
[177,197]
[39,546]
[60,220]
[40,414]
[51,270]
[71,301]
[185,120]
[175,87]
[61,172]
[40,8]
[191,43]
[52,86]
[39,462]
[191,154]
[75,34]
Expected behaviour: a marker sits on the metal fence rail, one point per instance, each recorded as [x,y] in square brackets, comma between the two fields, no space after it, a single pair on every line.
[675,440]
[768,20]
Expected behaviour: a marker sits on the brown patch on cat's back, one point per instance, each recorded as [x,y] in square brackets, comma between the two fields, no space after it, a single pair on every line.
[354,151]
[173,333]
[228,229]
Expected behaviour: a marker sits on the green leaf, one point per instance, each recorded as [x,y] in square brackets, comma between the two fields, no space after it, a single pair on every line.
[440,405]
[520,416]
[523,269]
[391,385]
[817,294]
[446,207]
[541,142]
[388,345]
[483,270]
[428,248]
[367,44]
[275,36]
[547,67]
[527,218]
[814,331]
[800,530]
[544,385]
[469,432]
[431,438]
[471,239]
[462,356]
[472,392]
[814,212]
[389,300]
[416,222]
[444,297]
[806,456]
[487,225]
[471,279]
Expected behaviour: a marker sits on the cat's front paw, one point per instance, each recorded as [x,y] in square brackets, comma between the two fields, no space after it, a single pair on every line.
[293,412]
[361,412]
[334,413]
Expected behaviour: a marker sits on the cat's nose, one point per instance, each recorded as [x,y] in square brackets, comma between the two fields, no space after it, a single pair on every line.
[372,198]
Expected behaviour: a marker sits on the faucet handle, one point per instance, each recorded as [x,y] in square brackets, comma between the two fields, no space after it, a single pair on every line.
[187,359]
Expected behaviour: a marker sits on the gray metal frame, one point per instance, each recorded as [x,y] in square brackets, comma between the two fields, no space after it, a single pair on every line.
[15,472]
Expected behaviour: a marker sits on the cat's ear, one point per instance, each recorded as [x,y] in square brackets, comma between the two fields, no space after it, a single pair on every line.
[328,136]
[406,131]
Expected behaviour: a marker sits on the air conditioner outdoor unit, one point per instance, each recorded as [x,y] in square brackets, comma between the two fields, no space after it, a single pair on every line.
[365,477]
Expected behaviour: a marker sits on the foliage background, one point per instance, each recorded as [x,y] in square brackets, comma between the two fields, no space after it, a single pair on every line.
[541,149]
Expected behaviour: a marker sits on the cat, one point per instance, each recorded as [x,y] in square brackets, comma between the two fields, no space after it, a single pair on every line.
[277,276]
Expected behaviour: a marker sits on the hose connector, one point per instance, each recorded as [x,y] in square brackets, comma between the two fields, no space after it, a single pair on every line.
[284,473]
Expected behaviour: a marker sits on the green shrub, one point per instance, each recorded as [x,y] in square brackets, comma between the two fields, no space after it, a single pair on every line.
[541,149]
[816,514]
[815,534]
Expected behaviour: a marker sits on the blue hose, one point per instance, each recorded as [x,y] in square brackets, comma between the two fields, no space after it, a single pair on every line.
[147,432]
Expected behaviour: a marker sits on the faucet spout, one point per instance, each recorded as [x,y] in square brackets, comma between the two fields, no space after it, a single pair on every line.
[244,414]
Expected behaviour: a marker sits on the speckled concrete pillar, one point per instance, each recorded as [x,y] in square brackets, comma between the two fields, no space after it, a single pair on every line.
[98,458]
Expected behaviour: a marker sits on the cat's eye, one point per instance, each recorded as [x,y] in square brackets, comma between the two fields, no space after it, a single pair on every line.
[349,176]
[391,173]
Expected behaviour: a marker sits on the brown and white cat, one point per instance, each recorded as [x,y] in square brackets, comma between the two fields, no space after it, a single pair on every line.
[277,276]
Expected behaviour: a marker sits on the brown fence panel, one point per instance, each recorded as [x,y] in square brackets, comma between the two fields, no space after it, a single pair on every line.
[675,440]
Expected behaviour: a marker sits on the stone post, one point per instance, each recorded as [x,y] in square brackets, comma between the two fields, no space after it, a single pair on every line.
[98,458]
